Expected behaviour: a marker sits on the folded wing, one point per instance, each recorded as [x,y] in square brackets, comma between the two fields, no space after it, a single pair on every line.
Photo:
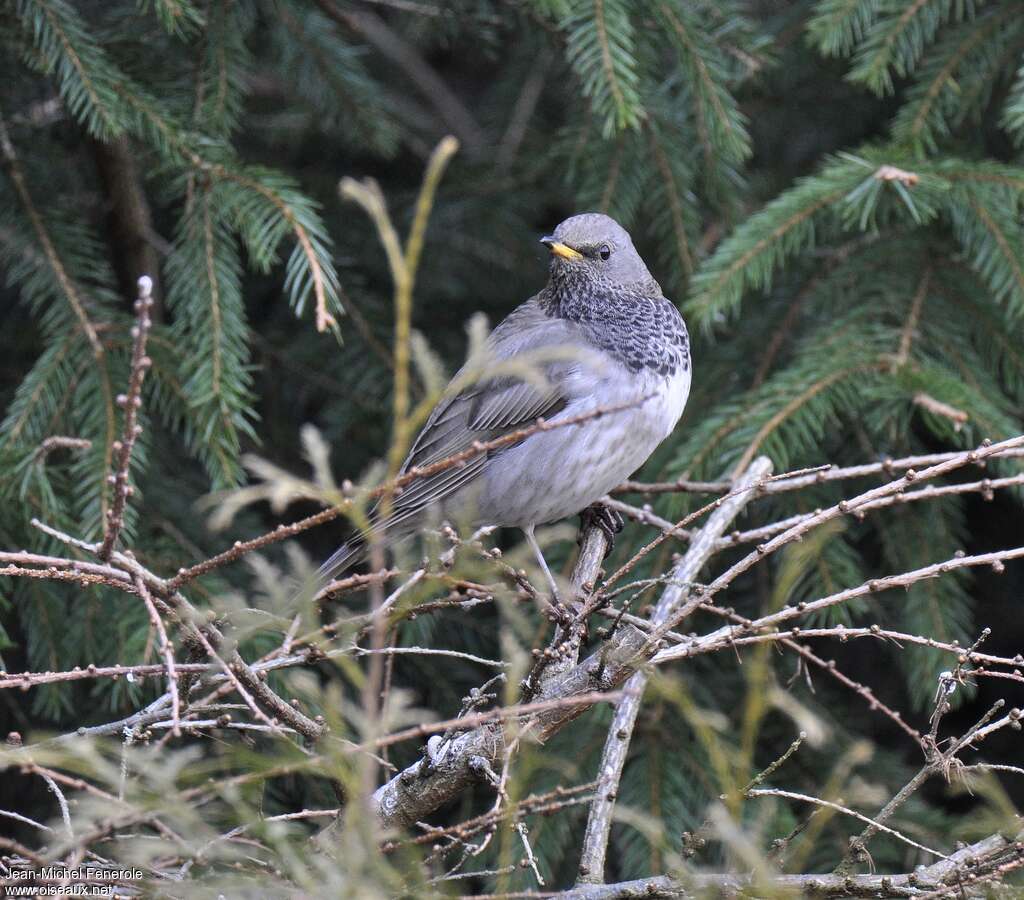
[481,411]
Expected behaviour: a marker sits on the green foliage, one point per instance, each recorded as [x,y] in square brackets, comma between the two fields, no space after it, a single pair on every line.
[954,83]
[837,26]
[63,47]
[215,376]
[703,64]
[331,80]
[601,44]
[1013,112]
[894,42]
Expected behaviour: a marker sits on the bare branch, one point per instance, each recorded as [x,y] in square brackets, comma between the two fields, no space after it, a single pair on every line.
[836,473]
[985,855]
[845,810]
[166,650]
[130,403]
[730,634]
[676,596]
[60,442]
[842,508]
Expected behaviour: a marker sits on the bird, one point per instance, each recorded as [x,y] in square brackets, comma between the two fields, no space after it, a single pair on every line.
[601,334]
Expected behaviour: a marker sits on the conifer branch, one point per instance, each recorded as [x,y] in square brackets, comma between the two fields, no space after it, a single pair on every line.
[898,260]
[601,48]
[1010,256]
[811,391]
[921,120]
[675,203]
[68,289]
[721,122]
[46,244]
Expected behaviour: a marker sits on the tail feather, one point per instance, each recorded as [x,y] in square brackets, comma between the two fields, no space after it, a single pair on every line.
[354,551]
[343,559]
[339,562]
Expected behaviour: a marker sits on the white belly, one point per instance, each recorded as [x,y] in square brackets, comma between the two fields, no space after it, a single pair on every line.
[558,473]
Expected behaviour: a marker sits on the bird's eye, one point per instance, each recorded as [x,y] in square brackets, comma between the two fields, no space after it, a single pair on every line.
[605,251]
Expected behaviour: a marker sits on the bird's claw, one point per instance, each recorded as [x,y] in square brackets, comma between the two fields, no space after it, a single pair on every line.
[609,520]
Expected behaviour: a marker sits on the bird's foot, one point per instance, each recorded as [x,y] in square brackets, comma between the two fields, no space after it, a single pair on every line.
[609,520]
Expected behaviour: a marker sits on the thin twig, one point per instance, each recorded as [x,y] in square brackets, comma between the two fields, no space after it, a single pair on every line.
[786,484]
[844,507]
[430,651]
[130,403]
[817,801]
[166,650]
[731,634]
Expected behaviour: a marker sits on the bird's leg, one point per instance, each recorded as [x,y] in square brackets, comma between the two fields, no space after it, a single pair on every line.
[532,540]
[609,520]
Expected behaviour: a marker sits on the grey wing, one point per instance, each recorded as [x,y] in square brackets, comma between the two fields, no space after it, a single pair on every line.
[489,408]
[481,411]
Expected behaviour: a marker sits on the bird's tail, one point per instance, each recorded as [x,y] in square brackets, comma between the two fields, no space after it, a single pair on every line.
[347,555]
[344,558]
[352,552]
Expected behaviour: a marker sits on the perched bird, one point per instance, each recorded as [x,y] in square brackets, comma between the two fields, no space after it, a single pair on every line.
[600,334]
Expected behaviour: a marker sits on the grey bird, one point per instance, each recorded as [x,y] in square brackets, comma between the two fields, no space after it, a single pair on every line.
[600,334]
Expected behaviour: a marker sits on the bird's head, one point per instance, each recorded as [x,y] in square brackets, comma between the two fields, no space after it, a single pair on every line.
[592,247]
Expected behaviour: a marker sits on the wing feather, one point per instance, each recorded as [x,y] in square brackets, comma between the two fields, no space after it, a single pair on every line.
[485,410]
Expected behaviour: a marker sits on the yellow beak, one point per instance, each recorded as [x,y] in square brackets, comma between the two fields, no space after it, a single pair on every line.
[559,249]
